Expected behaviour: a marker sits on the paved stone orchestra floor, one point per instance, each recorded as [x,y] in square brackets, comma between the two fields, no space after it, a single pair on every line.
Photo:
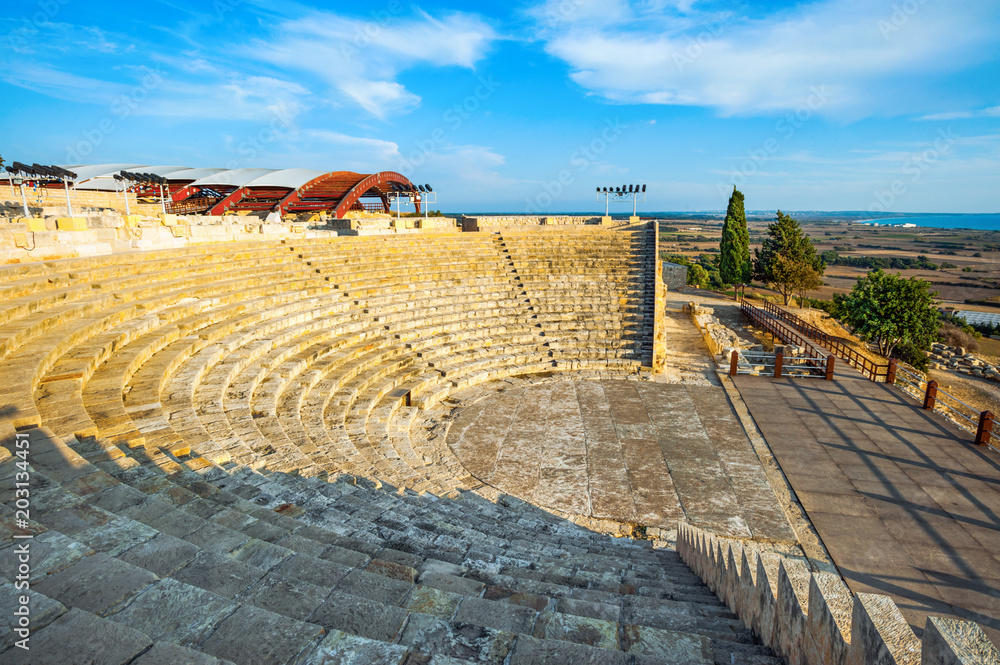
[905,503]
[630,451]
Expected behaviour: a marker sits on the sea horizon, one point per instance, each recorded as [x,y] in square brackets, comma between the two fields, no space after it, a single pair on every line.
[971,221]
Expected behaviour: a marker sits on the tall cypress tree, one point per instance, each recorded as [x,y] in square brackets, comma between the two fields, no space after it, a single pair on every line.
[734,249]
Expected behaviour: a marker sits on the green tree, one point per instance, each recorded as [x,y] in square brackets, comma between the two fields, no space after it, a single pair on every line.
[891,312]
[697,276]
[734,257]
[787,258]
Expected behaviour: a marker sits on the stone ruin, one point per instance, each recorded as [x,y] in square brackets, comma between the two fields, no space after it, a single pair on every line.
[231,459]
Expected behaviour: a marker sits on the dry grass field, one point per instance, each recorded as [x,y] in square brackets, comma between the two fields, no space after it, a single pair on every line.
[976,255]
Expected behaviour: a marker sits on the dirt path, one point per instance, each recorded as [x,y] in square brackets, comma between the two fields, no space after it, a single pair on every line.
[688,358]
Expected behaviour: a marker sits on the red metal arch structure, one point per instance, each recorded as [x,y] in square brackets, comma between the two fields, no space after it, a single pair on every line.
[288,191]
[218,191]
[346,190]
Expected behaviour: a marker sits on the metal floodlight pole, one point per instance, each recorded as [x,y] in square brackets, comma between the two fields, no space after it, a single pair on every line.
[607,204]
[163,202]
[125,185]
[24,199]
[69,205]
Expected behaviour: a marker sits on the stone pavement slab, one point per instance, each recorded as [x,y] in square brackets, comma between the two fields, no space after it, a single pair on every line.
[629,451]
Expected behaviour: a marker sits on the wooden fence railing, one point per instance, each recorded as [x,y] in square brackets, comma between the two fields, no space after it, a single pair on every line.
[868,367]
[794,330]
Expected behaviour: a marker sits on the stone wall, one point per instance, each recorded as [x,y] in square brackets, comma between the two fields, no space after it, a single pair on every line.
[717,337]
[674,275]
[500,221]
[372,224]
[810,616]
[37,239]
[47,238]
[659,305]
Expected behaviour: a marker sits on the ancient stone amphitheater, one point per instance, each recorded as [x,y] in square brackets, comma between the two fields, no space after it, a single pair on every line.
[228,458]
[237,453]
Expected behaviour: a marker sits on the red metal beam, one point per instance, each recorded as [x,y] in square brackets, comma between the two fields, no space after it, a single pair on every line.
[362,187]
[297,194]
[233,198]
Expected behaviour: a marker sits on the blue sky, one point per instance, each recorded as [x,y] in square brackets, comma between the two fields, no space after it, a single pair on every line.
[526,107]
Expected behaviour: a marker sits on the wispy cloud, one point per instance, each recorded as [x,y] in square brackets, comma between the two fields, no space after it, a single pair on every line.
[360,60]
[63,85]
[675,54]
[991,112]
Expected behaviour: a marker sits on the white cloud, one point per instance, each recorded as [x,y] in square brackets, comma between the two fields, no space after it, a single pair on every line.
[62,85]
[870,59]
[360,60]
[379,152]
[991,112]
[260,98]
[470,170]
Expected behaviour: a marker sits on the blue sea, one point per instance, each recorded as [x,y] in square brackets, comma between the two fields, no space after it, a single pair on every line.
[977,222]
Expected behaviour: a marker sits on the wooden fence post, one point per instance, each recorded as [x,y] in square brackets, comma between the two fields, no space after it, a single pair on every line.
[890,375]
[779,359]
[830,360]
[985,432]
[931,397]
[734,359]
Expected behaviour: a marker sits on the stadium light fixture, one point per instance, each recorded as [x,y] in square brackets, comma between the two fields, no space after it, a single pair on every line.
[622,193]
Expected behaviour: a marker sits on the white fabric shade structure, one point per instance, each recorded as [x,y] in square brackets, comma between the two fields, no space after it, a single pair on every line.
[217,191]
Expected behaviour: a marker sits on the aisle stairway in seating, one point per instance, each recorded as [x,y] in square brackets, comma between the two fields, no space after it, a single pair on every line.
[228,465]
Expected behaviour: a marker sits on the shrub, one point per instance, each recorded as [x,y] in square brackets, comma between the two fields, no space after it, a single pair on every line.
[911,355]
[828,306]
[952,335]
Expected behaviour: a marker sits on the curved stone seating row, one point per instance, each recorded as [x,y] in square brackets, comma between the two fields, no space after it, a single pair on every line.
[240,449]
[464,362]
[199,559]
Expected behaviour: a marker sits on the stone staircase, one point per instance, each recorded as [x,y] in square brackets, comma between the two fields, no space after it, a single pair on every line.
[229,461]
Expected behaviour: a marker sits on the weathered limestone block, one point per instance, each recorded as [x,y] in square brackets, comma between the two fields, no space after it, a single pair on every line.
[34,224]
[953,642]
[792,601]
[880,634]
[734,559]
[828,624]
[748,587]
[765,625]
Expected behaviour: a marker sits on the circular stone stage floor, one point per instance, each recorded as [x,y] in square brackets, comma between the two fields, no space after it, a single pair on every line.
[630,451]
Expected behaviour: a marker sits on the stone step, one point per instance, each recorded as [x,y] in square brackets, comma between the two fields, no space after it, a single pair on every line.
[438,595]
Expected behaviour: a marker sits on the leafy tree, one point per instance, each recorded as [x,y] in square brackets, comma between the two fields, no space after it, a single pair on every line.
[891,312]
[800,276]
[734,259]
[697,276]
[786,257]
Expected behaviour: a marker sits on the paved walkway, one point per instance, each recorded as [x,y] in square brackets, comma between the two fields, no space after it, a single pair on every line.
[629,451]
[906,505]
